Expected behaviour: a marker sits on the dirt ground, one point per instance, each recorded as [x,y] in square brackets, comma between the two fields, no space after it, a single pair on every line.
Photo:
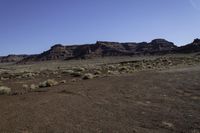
[147,101]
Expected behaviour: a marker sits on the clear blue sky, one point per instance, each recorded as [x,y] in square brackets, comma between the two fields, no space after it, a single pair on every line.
[32,26]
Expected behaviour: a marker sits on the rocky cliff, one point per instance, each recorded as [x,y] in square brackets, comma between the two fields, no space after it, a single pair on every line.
[104,48]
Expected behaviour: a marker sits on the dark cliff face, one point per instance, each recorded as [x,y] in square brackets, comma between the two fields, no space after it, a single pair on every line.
[101,49]
[104,48]
[161,44]
[155,46]
[55,53]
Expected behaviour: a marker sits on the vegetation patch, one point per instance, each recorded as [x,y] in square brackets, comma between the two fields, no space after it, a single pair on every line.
[63,81]
[88,76]
[67,71]
[48,83]
[33,87]
[79,69]
[76,74]
[5,90]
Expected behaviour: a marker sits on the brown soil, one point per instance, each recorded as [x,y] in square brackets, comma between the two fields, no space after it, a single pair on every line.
[152,101]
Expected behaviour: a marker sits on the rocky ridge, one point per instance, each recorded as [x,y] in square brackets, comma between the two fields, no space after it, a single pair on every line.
[105,48]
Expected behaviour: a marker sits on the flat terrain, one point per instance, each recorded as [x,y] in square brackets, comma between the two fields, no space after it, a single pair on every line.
[126,95]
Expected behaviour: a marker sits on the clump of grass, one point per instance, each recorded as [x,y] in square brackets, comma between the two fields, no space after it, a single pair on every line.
[79,69]
[112,72]
[5,90]
[28,75]
[33,87]
[73,80]
[97,72]
[3,78]
[25,86]
[48,83]
[111,67]
[67,71]
[88,76]
[123,68]
[76,74]
[63,81]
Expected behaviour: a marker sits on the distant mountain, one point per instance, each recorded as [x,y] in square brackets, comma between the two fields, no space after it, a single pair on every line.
[103,49]
[12,58]
[190,48]
[156,46]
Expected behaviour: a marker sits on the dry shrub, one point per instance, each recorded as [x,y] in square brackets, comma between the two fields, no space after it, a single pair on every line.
[79,69]
[123,68]
[25,86]
[48,83]
[28,75]
[88,76]
[67,71]
[5,90]
[63,81]
[97,72]
[76,74]
[33,87]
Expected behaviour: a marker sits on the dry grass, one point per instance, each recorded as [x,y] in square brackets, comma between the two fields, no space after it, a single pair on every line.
[5,90]
[88,76]
[76,74]
[48,83]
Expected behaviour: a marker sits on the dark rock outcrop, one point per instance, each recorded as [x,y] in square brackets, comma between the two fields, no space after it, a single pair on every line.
[156,46]
[102,49]
[190,48]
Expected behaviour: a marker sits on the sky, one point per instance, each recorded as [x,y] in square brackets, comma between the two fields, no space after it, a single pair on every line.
[33,26]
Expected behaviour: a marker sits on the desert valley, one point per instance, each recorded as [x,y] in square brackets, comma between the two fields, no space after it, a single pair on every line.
[103,87]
